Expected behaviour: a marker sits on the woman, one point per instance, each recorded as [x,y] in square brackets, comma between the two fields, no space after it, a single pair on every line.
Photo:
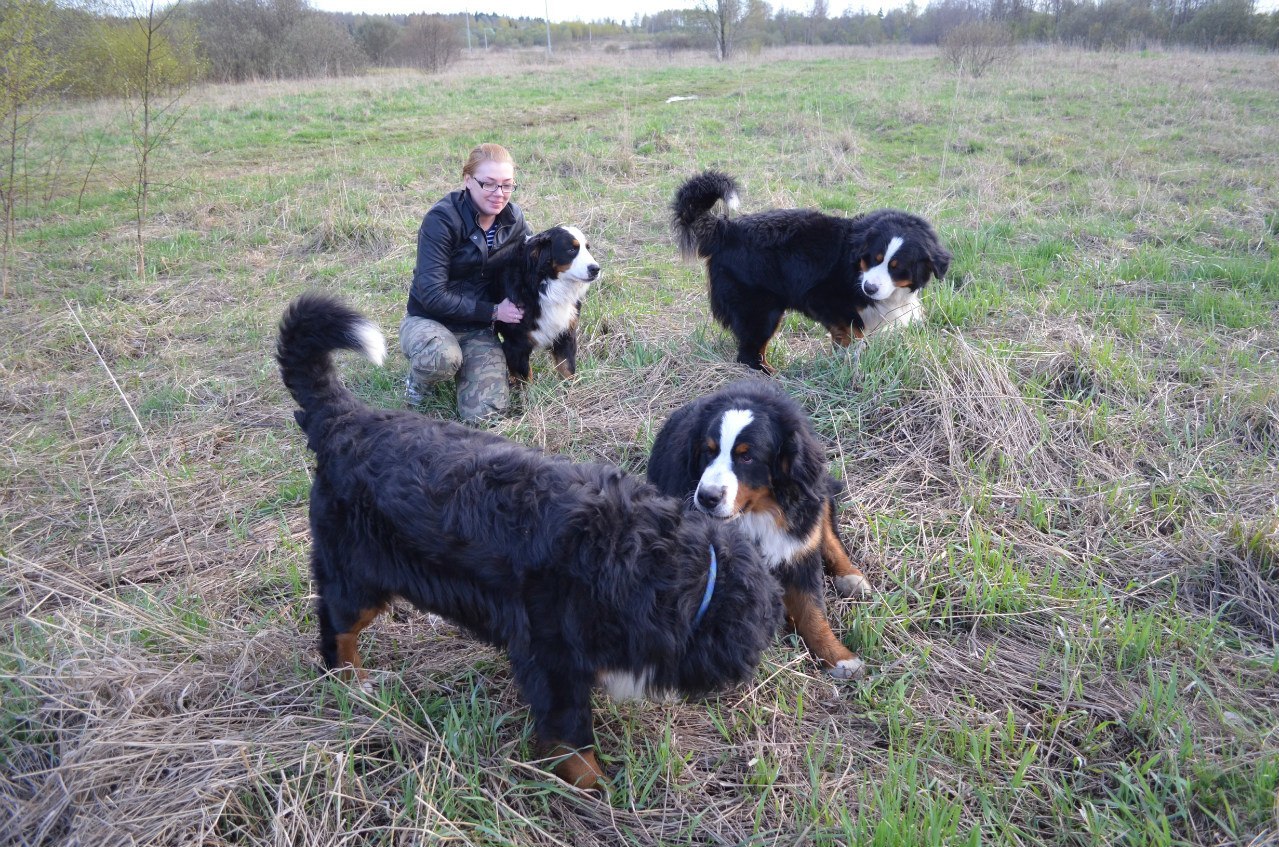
[448,329]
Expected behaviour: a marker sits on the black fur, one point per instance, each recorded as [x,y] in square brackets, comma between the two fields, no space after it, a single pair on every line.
[760,265]
[784,498]
[535,274]
[575,569]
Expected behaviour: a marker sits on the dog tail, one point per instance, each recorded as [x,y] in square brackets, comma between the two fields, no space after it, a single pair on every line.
[313,326]
[696,229]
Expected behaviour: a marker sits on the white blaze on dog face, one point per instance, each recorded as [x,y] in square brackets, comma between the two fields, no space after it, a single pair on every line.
[584,266]
[718,485]
[877,282]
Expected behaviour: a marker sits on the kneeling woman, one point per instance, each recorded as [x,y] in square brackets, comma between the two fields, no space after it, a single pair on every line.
[447,331]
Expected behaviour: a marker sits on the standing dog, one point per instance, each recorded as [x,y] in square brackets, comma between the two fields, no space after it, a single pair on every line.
[852,275]
[547,276]
[584,575]
[748,454]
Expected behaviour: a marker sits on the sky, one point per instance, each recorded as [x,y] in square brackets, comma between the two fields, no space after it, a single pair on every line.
[571,10]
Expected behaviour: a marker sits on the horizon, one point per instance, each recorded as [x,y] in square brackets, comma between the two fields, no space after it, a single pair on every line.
[564,11]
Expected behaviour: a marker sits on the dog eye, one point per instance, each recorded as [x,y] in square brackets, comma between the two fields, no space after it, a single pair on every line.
[879,257]
[744,458]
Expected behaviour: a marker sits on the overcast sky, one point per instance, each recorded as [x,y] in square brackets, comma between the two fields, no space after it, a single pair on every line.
[572,10]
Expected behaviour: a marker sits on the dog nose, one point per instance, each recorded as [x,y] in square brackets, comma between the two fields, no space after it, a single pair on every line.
[870,288]
[592,271]
[710,496]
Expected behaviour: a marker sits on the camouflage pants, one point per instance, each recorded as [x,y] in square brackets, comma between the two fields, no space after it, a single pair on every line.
[437,354]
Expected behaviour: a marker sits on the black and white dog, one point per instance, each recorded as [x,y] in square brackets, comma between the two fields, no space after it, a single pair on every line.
[547,276]
[748,454]
[852,275]
[583,574]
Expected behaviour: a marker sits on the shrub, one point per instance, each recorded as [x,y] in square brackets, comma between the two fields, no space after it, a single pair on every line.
[430,43]
[977,46]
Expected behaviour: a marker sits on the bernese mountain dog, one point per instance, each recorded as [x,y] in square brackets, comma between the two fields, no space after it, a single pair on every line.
[547,276]
[584,575]
[747,455]
[852,275]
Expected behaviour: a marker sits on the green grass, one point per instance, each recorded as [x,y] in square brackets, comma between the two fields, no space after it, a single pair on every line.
[1062,484]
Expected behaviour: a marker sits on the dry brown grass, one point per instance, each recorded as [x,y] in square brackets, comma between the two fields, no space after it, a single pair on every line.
[1072,521]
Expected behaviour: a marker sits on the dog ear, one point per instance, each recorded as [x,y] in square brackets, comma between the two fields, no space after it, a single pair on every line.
[799,463]
[939,257]
[538,252]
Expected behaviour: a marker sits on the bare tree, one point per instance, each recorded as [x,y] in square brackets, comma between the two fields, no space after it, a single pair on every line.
[722,16]
[816,17]
[28,74]
[977,46]
[157,66]
[429,42]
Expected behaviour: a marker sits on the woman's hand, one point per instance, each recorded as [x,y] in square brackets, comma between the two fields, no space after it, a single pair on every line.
[508,313]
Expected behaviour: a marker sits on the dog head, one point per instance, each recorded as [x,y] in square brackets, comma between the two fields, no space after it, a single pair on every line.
[753,452]
[561,252]
[898,251]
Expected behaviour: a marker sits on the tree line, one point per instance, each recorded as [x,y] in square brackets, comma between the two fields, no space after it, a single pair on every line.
[1091,24]
[239,40]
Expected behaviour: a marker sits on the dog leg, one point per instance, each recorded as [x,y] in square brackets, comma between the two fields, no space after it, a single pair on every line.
[753,332]
[517,362]
[810,622]
[578,767]
[564,351]
[348,648]
[849,580]
[560,700]
[840,334]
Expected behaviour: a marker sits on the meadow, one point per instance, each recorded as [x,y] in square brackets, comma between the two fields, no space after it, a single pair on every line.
[1062,484]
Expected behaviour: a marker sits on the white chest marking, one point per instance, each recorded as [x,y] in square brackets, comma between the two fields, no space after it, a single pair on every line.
[900,309]
[778,547]
[624,685]
[559,309]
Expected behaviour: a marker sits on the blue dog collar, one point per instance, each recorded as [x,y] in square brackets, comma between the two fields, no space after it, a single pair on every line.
[710,589]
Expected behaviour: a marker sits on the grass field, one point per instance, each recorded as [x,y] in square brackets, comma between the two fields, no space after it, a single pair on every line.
[1063,484]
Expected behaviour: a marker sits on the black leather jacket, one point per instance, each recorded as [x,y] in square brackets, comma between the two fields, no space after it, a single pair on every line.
[449,283]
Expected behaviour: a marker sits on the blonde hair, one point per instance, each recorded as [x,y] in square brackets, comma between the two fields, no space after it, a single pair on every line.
[485,153]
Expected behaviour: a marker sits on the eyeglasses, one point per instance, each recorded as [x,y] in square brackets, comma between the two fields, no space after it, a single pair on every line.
[494,187]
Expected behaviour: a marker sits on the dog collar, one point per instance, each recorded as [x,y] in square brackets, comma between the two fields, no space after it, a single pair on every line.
[710,589]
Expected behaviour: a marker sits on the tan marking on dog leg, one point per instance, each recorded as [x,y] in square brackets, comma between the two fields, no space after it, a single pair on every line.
[763,358]
[848,578]
[840,334]
[815,630]
[348,647]
[562,368]
[578,768]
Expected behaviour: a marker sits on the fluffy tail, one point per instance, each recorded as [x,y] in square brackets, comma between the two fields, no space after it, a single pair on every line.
[696,229]
[313,326]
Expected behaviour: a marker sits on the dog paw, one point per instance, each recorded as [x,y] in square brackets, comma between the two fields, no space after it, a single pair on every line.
[853,668]
[853,585]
